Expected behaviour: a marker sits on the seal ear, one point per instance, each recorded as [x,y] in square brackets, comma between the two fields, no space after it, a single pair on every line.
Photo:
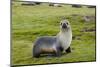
[60,23]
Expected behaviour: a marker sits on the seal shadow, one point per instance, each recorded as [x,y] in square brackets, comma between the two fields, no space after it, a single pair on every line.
[52,55]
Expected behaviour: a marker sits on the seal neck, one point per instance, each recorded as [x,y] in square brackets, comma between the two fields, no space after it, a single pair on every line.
[65,30]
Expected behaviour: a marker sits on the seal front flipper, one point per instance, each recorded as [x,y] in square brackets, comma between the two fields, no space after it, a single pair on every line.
[68,50]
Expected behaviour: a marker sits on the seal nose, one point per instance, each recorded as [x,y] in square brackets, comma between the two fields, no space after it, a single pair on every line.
[64,25]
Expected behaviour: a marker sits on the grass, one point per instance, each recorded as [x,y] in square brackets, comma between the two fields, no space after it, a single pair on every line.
[30,22]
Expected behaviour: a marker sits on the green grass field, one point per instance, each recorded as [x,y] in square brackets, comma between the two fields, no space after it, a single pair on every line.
[30,22]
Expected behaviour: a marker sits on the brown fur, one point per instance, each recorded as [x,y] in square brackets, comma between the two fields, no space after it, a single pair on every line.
[47,50]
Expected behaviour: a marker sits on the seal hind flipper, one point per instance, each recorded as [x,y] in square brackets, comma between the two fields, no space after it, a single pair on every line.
[36,52]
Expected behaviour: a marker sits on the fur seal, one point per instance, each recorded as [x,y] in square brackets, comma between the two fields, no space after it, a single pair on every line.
[54,44]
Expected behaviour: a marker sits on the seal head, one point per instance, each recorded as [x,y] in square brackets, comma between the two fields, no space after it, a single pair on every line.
[64,25]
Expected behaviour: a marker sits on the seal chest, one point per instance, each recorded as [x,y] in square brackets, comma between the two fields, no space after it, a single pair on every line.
[65,39]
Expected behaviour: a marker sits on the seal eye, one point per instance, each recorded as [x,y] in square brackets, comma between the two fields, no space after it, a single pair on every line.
[67,23]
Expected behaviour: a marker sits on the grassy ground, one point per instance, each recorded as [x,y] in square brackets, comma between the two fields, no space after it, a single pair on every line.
[30,22]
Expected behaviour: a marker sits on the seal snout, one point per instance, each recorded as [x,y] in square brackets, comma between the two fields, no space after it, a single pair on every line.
[64,25]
